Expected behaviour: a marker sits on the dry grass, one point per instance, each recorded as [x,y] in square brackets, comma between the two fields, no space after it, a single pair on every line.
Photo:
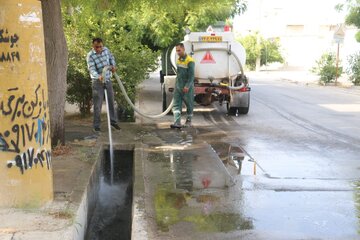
[62,214]
[61,150]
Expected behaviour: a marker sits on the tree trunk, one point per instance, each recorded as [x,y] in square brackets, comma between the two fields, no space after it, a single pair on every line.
[258,64]
[56,65]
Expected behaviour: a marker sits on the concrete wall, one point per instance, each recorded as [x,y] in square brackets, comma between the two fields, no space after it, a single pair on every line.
[25,148]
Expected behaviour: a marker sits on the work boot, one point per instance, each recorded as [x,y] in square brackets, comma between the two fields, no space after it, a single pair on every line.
[188,123]
[115,126]
[175,125]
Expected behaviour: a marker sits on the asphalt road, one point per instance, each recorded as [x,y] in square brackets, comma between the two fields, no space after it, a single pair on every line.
[305,141]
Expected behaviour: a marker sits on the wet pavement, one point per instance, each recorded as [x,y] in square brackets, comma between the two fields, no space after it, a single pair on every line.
[287,170]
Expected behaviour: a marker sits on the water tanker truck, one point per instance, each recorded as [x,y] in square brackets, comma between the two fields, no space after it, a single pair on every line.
[219,73]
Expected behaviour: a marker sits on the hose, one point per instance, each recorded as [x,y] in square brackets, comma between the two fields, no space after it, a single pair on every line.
[229,87]
[123,90]
[236,88]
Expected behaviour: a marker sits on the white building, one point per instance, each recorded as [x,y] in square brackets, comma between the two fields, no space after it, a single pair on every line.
[305,28]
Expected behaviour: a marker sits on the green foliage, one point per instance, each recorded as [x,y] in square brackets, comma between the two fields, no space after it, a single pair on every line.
[134,60]
[253,49]
[78,81]
[354,68]
[326,68]
[162,22]
[256,46]
[353,13]
[168,19]
[270,51]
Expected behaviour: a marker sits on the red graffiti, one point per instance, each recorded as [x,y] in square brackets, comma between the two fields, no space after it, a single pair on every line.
[206,182]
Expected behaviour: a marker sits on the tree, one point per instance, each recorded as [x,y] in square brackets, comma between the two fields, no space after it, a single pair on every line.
[258,48]
[354,68]
[56,66]
[353,15]
[164,22]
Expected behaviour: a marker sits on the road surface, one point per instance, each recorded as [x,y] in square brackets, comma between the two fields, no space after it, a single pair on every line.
[293,161]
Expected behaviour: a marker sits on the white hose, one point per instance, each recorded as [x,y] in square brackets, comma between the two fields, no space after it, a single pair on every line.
[236,88]
[230,87]
[123,90]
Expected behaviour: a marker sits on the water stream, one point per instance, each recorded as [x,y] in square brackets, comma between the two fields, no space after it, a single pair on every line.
[111,218]
[110,140]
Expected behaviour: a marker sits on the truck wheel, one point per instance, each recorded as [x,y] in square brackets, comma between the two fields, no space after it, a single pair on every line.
[163,95]
[161,77]
[231,110]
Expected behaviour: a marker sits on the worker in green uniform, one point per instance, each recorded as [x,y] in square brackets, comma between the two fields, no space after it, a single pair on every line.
[184,88]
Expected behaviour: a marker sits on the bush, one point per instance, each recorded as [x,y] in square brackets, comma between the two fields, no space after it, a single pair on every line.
[326,68]
[354,68]
[79,91]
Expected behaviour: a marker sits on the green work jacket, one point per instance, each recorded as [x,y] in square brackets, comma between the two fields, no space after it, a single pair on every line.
[185,72]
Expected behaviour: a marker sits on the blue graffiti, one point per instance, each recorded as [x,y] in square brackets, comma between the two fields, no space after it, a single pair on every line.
[2,144]
[39,135]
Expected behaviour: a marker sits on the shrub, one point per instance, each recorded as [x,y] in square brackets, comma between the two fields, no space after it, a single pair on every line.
[326,68]
[354,68]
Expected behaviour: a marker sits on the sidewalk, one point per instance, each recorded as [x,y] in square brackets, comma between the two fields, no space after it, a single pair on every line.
[74,173]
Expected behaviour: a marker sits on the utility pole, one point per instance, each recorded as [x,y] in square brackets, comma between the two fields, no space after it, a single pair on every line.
[25,143]
[339,36]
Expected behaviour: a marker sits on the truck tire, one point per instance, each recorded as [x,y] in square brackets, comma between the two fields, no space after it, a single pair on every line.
[161,77]
[231,110]
[163,95]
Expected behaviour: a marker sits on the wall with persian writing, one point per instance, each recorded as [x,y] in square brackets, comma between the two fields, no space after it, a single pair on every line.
[25,148]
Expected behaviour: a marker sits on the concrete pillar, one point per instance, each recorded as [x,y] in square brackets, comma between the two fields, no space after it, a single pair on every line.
[25,147]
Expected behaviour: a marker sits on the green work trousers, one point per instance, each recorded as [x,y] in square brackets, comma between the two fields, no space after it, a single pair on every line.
[179,98]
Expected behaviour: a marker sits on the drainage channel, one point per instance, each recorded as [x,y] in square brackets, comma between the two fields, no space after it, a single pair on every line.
[112,216]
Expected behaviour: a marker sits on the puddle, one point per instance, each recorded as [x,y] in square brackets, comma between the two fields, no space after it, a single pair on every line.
[356,186]
[235,159]
[202,210]
[179,166]
[220,222]
[111,218]
[191,184]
